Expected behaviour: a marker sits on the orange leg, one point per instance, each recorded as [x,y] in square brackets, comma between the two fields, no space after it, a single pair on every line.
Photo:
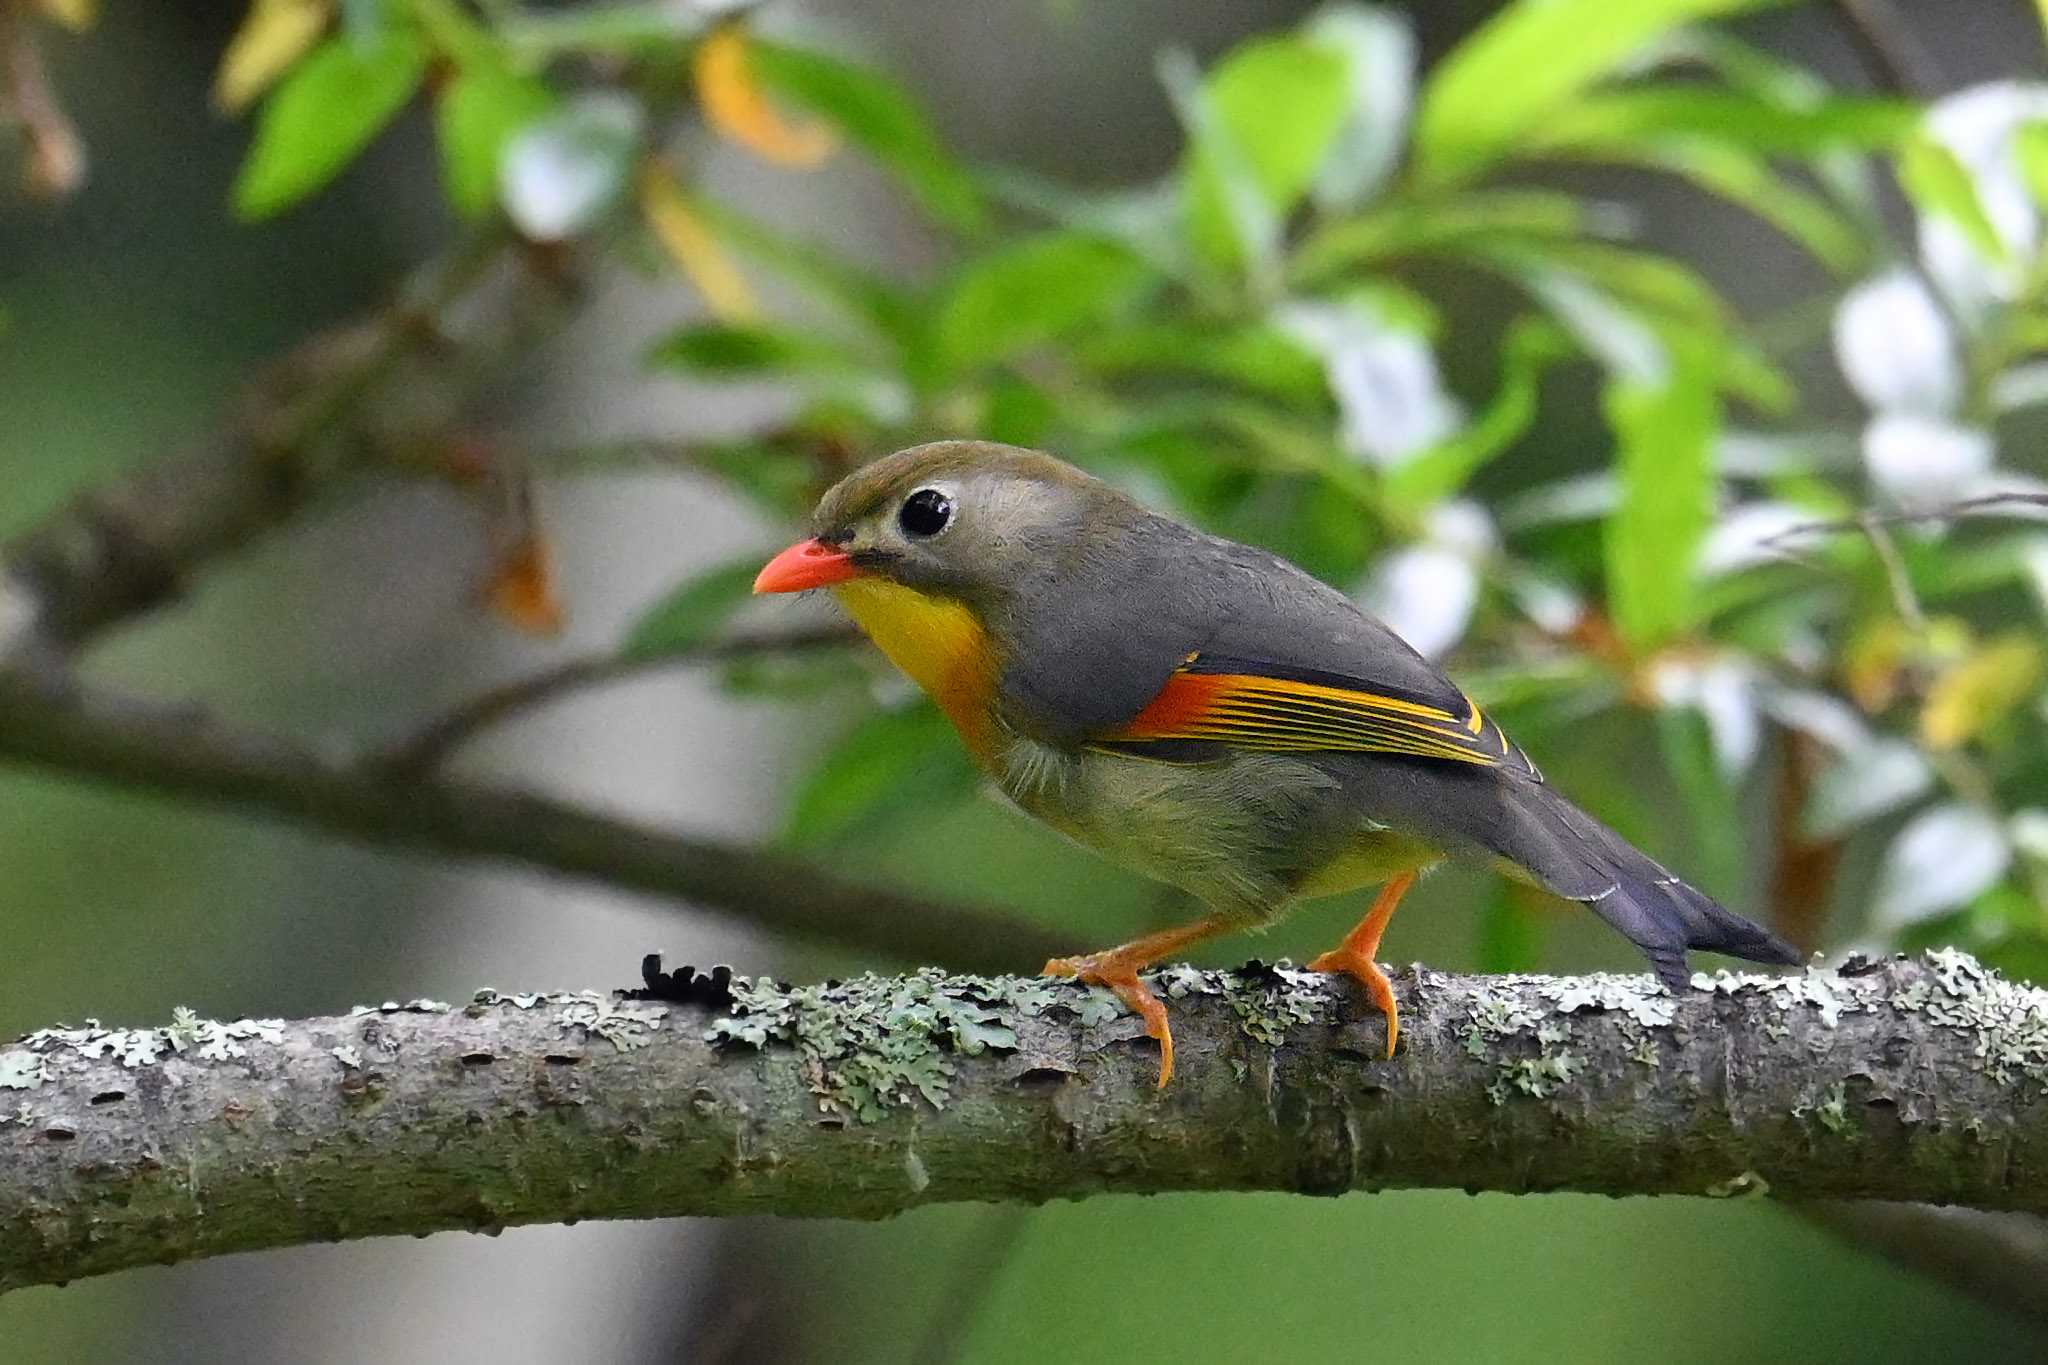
[1355,954]
[1118,968]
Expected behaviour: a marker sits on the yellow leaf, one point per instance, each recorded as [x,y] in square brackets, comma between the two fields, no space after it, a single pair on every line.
[73,14]
[271,40]
[523,588]
[1976,693]
[733,104]
[690,245]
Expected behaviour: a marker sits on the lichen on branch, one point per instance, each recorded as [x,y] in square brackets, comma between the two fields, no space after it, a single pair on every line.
[1922,1080]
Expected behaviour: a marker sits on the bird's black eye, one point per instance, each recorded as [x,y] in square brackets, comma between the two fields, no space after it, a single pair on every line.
[925,513]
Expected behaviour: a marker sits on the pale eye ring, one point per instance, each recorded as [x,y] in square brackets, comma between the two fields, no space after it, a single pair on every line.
[925,513]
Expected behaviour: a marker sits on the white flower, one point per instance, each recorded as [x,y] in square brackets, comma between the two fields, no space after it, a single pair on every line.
[1919,461]
[1894,346]
[1390,399]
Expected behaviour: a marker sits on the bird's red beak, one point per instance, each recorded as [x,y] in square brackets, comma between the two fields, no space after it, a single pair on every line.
[806,564]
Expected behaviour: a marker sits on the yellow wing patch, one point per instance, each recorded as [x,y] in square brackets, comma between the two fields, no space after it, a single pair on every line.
[1293,715]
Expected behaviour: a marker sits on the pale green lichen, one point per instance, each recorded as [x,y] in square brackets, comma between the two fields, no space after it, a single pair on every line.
[1832,1110]
[348,1057]
[876,1042]
[1830,994]
[1540,1076]
[2007,1022]
[622,1024]
[419,1006]
[1268,1001]
[1743,1185]
[21,1069]
[214,1040]
[1641,998]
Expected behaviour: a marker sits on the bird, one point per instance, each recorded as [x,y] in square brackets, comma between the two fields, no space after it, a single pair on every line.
[1207,714]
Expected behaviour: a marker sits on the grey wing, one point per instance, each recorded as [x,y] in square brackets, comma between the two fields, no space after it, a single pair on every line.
[1104,631]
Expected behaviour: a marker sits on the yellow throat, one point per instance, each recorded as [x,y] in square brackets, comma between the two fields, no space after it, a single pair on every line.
[937,643]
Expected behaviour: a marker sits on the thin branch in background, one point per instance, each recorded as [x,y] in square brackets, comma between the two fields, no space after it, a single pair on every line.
[1891,51]
[432,744]
[358,396]
[55,723]
[54,153]
[133,1147]
[1904,600]
[1869,517]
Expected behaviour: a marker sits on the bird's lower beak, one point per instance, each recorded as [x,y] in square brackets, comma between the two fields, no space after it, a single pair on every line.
[806,564]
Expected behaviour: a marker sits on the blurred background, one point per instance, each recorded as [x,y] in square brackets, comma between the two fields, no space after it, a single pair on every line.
[1550,331]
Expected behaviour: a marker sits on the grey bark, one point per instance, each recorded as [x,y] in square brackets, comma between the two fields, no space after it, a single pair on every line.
[1924,1080]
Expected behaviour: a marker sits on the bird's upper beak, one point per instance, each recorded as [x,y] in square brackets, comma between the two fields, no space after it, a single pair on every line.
[806,564]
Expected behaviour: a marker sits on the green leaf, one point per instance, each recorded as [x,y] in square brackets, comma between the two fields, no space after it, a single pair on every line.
[1030,292]
[1532,347]
[860,296]
[325,112]
[1712,805]
[1510,930]
[871,110]
[1941,186]
[1612,119]
[889,759]
[1410,228]
[693,611]
[1664,447]
[1526,62]
[1260,127]
[1260,359]
[477,114]
[731,349]
[1746,179]
[2030,150]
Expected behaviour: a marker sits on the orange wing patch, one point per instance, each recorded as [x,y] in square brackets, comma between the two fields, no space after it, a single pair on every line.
[1295,715]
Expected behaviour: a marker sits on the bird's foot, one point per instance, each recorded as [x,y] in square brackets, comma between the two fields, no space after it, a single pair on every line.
[1362,969]
[1120,974]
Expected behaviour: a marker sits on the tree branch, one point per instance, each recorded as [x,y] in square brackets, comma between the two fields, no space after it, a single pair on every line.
[426,747]
[53,722]
[368,393]
[1914,1080]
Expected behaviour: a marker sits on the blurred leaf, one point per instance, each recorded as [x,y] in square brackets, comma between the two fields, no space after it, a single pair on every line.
[1378,48]
[693,611]
[734,105]
[477,114]
[1945,857]
[1510,930]
[326,111]
[684,237]
[1976,693]
[1940,186]
[272,38]
[363,20]
[1617,119]
[1871,780]
[2030,152]
[2023,956]
[871,110]
[1664,438]
[1030,292]
[1746,179]
[522,587]
[1524,63]
[76,15]
[613,28]
[1399,228]
[1532,347]
[891,759]
[862,297]
[782,481]
[1712,810]
[731,348]
[1262,359]
[559,175]
[1260,127]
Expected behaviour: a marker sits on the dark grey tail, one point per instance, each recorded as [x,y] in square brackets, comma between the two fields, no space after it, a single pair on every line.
[1581,859]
